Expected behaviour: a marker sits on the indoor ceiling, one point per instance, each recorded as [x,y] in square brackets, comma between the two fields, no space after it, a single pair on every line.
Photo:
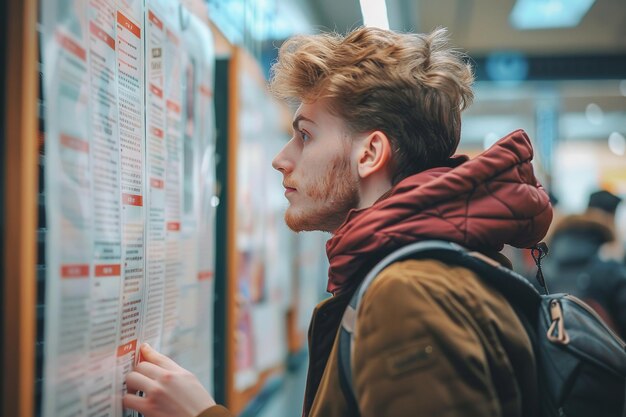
[482,26]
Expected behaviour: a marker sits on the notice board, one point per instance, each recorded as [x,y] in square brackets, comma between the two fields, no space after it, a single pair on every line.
[130,199]
[261,248]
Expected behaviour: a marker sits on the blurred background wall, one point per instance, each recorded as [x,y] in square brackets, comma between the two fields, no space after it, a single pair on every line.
[555,68]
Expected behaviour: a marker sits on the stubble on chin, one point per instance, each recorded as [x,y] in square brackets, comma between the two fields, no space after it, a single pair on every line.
[332,196]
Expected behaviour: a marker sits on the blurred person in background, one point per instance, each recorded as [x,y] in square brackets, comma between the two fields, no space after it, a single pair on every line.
[372,161]
[605,204]
[576,265]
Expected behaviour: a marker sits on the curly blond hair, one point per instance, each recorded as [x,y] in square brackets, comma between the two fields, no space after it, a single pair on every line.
[412,87]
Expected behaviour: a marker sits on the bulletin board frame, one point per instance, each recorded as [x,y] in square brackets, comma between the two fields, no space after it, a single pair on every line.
[237,400]
[233,399]
[20,208]
[3,59]
[220,341]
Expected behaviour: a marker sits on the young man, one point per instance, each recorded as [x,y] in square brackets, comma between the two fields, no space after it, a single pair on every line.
[371,161]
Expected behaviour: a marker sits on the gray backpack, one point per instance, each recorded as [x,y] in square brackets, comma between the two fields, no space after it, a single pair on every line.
[581,361]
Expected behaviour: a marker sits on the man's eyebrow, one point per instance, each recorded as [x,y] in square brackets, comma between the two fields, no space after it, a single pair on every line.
[300,118]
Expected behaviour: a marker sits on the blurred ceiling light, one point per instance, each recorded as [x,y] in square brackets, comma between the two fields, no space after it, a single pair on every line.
[547,14]
[375,13]
[262,20]
[617,143]
[594,114]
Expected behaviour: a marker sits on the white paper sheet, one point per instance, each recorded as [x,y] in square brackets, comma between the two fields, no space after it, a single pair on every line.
[156,168]
[68,204]
[173,184]
[107,243]
[130,76]
[129,184]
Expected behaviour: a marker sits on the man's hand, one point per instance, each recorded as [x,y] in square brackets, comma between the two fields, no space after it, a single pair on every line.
[169,389]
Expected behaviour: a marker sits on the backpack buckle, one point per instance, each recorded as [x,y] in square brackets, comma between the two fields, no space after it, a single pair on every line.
[556,332]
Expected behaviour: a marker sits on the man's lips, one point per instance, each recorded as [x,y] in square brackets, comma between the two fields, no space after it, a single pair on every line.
[288,189]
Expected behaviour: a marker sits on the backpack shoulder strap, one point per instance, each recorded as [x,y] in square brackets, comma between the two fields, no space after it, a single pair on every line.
[518,291]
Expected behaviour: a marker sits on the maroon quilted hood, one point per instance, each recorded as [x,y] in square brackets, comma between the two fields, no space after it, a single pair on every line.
[482,204]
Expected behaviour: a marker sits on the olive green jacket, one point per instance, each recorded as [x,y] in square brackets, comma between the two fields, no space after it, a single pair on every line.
[431,340]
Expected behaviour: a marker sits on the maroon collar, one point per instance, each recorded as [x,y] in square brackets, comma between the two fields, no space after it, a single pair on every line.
[483,203]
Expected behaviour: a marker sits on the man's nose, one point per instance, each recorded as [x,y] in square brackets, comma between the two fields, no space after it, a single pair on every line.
[282,162]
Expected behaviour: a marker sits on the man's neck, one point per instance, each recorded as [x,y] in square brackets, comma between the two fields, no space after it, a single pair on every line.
[372,190]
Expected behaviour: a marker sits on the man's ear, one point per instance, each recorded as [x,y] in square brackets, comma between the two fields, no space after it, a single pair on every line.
[374,155]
